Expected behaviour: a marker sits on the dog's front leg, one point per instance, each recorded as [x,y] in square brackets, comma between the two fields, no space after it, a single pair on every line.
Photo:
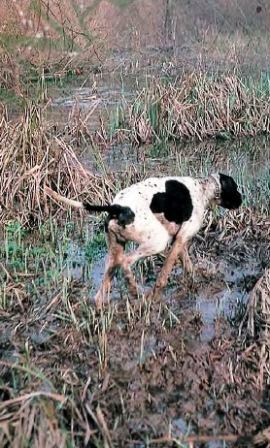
[185,258]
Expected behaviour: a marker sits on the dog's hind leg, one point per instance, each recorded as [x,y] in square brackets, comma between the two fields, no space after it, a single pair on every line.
[144,250]
[114,259]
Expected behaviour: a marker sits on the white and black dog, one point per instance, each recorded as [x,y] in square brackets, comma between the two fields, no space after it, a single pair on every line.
[157,213]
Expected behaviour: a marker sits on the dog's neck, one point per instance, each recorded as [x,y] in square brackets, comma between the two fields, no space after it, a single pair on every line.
[211,189]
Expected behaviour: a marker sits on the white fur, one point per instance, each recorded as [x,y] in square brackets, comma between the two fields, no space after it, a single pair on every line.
[146,226]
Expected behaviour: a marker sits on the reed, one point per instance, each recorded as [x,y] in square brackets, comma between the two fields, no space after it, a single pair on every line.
[198,106]
[32,155]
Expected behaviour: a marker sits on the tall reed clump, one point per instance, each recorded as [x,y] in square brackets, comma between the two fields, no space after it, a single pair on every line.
[199,107]
[32,156]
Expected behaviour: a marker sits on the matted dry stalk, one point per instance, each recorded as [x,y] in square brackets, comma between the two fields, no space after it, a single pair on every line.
[257,323]
[30,157]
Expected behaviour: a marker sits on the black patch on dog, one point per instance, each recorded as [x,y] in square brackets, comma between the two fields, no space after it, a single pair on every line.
[124,215]
[175,203]
[230,196]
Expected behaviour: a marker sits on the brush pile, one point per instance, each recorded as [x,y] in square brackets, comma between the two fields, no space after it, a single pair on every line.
[32,156]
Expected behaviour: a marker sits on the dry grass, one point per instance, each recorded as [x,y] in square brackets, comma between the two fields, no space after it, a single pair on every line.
[65,36]
[73,377]
[32,155]
[199,107]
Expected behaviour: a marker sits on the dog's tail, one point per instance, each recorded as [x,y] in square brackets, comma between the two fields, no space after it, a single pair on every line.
[97,208]
[77,204]
[59,198]
[124,214]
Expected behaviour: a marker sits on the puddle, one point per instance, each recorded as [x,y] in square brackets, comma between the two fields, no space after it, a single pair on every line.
[77,266]
[97,272]
[112,85]
[224,298]
[222,304]
[96,95]
[11,356]
[82,97]
[241,275]
[180,429]
[40,337]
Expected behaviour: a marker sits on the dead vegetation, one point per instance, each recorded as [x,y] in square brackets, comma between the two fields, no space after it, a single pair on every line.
[198,106]
[32,155]
[254,334]
[56,38]
[127,376]
[257,325]
[139,374]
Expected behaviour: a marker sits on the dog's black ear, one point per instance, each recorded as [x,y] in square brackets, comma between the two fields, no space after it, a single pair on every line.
[229,195]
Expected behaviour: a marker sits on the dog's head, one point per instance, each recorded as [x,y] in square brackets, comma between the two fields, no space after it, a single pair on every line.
[229,196]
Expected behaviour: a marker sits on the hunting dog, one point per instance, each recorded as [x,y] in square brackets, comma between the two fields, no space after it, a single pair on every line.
[157,213]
